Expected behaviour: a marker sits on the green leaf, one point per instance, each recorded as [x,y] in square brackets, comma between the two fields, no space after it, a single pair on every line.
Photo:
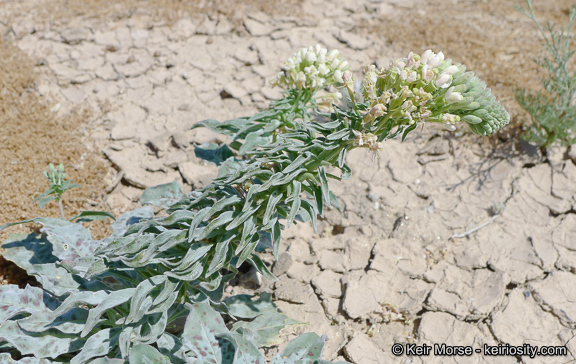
[305,348]
[45,200]
[248,249]
[92,215]
[294,209]
[41,345]
[199,336]
[59,281]
[127,219]
[257,263]
[70,322]
[27,250]
[273,199]
[106,360]
[115,298]
[219,258]
[99,344]
[300,160]
[312,212]
[146,354]
[252,142]
[7,358]
[223,219]
[339,135]
[246,352]
[213,153]
[324,184]
[163,196]
[15,301]
[172,347]
[142,294]
[276,235]
[266,328]
[244,306]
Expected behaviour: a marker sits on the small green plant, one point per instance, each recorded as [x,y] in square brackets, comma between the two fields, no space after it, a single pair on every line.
[58,185]
[56,188]
[552,110]
[119,299]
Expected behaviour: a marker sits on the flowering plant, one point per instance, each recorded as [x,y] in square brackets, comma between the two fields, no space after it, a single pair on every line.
[116,299]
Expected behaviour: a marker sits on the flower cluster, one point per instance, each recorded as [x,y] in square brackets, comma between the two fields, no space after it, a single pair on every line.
[313,68]
[427,87]
[367,140]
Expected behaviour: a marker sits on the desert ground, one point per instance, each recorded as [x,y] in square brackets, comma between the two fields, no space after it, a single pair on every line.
[446,237]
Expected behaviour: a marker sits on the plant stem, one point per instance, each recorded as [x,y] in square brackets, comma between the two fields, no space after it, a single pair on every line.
[61,208]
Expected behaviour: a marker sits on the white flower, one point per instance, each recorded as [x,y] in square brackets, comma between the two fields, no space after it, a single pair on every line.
[323,70]
[442,80]
[451,70]
[338,76]
[403,75]
[343,66]
[412,77]
[454,97]
[436,60]
[335,63]
[332,55]
[426,56]
[311,57]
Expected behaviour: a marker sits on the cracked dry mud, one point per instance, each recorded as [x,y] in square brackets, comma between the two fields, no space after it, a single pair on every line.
[394,266]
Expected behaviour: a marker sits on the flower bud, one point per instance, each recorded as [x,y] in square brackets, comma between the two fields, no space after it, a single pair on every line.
[426,56]
[311,57]
[323,70]
[347,77]
[332,54]
[436,60]
[442,79]
[412,77]
[335,63]
[454,97]
[338,76]
[343,66]
[451,70]
[471,119]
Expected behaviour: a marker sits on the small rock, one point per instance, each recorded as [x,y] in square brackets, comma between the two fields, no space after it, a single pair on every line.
[362,350]
[572,153]
[126,121]
[332,260]
[282,265]
[436,146]
[328,284]
[196,175]
[207,27]
[255,28]
[73,94]
[271,93]
[74,35]
[353,41]
[293,291]
[235,91]
[557,293]
[374,197]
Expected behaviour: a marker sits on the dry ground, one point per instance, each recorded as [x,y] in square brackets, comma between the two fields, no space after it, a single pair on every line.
[110,89]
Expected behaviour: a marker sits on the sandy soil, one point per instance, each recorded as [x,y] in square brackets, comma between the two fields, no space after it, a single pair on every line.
[112,90]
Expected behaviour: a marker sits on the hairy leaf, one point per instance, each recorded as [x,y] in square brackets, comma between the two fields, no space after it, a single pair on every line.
[146,354]
[164,195]
[98,344]
[202,326]
[305,348]
[265,329]
[243,306]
